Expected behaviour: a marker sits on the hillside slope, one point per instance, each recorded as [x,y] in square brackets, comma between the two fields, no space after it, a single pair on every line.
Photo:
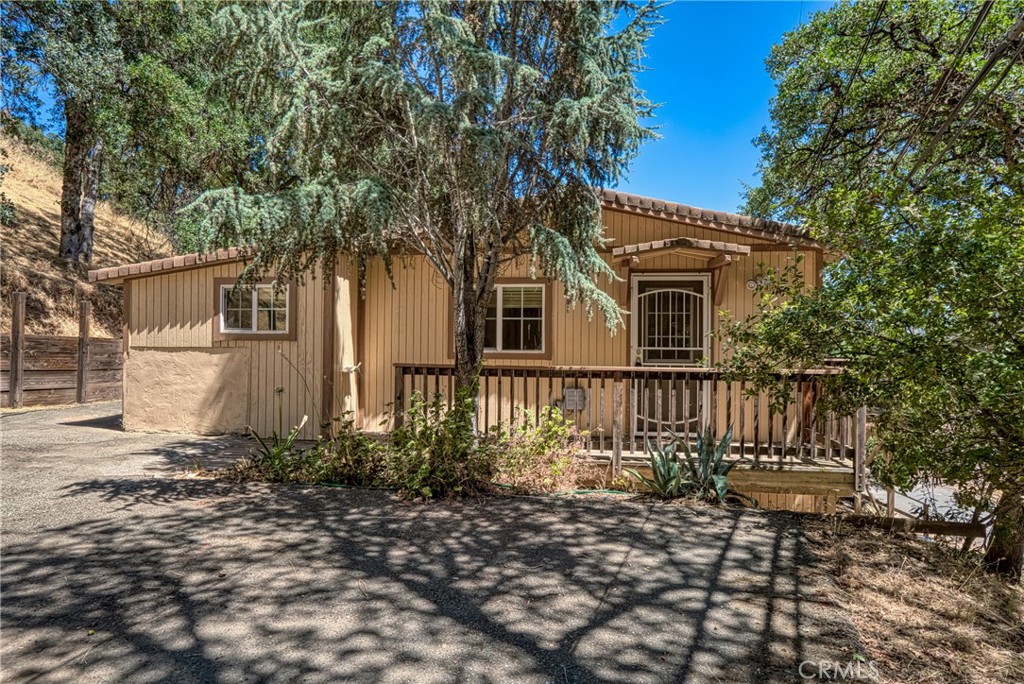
[28,252]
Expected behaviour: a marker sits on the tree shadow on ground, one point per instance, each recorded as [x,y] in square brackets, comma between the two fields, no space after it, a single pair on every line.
[201,581]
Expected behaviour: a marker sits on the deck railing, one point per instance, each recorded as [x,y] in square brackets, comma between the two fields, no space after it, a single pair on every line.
[619,409]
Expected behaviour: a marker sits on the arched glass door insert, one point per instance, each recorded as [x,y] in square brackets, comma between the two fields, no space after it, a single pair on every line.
[671,319]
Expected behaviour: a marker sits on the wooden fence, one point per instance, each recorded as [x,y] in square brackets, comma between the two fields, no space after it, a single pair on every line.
[47,370]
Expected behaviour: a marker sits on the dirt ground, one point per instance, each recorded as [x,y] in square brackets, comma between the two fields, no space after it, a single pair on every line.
[923,613]
[28,256]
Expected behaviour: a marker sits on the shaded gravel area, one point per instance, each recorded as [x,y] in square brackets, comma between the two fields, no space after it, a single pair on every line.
[115,570]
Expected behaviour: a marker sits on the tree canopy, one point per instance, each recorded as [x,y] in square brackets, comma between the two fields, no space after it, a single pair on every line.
[130,81]
[473,133]
[897,136]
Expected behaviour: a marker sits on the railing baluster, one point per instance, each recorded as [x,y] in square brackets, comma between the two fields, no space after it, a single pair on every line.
[673,405]
[814,419]
[658,407]
[687,412]
[487,403]
[589,402]
[632,422]
[728,406]
[536,396]
[799,418]
[757,427]
[617,392]
[512,413]
[701,410]
[498,382]
[712,386]
[743,413]
[829,424]
[785,419]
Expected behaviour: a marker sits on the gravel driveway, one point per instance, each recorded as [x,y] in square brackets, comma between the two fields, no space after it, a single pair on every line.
[115,570]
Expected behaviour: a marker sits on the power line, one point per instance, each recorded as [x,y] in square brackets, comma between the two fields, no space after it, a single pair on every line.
[1014,33]
[986,7]
[999,81]
[856,71]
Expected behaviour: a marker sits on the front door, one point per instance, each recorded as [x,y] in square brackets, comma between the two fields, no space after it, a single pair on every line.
[671,318]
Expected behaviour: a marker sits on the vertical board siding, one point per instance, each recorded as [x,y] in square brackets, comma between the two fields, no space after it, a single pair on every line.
[176,311]
[409,321]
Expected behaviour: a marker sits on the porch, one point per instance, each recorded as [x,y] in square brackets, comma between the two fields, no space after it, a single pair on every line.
[791,446]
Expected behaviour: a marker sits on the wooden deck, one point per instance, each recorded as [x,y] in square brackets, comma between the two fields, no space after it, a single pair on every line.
[788,443]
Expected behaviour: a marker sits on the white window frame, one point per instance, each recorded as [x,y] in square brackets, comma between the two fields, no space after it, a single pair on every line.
[252,330]
[499,291]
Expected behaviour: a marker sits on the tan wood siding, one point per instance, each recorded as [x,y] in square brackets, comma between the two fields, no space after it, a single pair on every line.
[175,311]
[410,321]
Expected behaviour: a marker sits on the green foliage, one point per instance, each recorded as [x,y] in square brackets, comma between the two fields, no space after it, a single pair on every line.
[666,479]
[709,470]
[701,473]
[925,295]
[435,453]
[8,213]
[538,455]
[275,458]
[348,458]
[136,77]
[471,133]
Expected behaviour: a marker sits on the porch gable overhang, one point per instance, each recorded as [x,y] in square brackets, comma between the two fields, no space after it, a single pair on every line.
[714,252]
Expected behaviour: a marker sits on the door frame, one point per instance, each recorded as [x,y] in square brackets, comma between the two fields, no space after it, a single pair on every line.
[634,309]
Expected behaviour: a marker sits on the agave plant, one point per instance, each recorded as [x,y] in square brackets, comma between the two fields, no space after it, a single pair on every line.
[702,473]
[667,480]
[708,471]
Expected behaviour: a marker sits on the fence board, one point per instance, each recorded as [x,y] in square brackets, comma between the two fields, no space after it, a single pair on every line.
[50,368]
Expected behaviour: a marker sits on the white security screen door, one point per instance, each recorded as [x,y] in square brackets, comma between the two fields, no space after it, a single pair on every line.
[671,318]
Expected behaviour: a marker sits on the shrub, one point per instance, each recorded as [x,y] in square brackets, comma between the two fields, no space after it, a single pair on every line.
[702,473]
[666,480]
[349,457]
[436,453]
[539,455]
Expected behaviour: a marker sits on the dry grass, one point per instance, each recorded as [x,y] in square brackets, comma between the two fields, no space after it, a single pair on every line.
[29,263]
[923,613]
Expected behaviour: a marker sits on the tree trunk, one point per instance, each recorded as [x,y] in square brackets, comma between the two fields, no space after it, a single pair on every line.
[76,153]
[90,194]
[1006,547]
[469,323]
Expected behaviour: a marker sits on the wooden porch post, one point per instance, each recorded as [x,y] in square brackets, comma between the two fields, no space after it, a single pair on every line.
[617,397]
[17,349]
[81,386]
[860,449]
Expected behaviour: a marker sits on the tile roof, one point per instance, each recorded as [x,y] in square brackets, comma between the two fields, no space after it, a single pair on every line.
[719,220]
[610,199]
[115,274]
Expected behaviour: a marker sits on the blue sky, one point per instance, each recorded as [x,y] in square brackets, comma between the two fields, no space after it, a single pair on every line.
[706,67]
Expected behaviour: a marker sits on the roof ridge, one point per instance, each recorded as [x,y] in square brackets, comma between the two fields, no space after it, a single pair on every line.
[651,204]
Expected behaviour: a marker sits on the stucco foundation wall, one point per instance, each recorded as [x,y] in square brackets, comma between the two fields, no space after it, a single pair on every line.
[202,391]
[283,381]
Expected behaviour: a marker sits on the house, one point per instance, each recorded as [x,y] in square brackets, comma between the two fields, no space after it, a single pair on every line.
[203,357]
